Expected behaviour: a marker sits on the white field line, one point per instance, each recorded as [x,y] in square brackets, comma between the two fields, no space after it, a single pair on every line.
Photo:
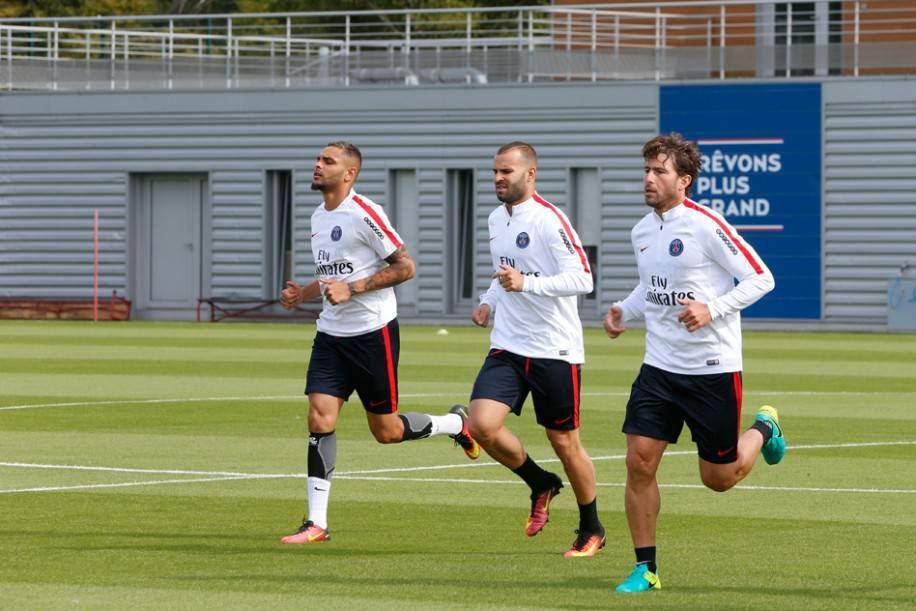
[230,474]
[424,395]
[120,485]
[377,474]
[436,480]
[464,465]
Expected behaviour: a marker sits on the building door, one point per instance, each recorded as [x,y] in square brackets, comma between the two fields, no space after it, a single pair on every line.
[167,244]
[585,215]
[403,209]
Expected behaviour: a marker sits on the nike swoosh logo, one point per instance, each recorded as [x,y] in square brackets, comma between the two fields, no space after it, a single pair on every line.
[316,233]
[721,453]
[643,248]
[493,238]
[562,420]
[321,489]
[376,403]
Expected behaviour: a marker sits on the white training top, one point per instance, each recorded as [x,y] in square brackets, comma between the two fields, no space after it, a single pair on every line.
[542,321]
[691,252]
[350,243]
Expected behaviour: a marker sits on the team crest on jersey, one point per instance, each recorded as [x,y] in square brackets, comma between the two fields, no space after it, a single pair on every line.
[336,233]
[522,240]
[675,248]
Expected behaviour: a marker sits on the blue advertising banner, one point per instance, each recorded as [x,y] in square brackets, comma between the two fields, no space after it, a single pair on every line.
[761,147]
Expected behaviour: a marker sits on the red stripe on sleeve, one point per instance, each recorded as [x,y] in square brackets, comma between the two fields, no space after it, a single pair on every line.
[566,228]
[575,386]
[378,221]
[389,364]
[747,254]
[739,396]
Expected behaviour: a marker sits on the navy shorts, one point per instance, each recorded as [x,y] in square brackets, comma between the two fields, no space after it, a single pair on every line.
[553,385]
[661,401]
[366,363]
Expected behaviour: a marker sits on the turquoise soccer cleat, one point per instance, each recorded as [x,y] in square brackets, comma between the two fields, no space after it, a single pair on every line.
[640,580]
[775,448]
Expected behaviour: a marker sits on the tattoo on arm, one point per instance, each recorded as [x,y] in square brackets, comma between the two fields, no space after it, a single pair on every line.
[400,269]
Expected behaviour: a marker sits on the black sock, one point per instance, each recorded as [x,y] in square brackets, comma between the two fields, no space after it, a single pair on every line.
[646,555]
[588,518]
[765,429]
[536,478]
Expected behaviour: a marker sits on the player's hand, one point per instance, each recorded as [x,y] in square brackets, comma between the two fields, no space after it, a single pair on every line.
[291,296]
[336,292]
[695,316]
[481,315]
[613,322]
[510,278]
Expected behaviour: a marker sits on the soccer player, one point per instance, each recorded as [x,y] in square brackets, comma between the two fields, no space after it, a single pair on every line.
[688,258]
[359,257]
[536,344]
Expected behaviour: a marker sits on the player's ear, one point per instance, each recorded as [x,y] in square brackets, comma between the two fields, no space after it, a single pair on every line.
[686,181]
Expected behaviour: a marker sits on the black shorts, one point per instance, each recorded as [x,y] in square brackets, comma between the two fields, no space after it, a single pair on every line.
[553,384]
[661,401]
[366,363]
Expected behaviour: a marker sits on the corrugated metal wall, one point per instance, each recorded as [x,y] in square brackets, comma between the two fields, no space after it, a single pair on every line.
[64,154]
[61,155]
[869,194]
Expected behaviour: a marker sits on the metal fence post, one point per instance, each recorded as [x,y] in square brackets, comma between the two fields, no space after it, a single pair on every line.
[722,41]
[9,59]
[53,54]
[289,43]
[658,41]
[171,50]
[114,57]
[855,39]
[593,59]
[789,40]
[229,53]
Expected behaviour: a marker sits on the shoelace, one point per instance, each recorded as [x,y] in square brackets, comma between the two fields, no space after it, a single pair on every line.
[581,540]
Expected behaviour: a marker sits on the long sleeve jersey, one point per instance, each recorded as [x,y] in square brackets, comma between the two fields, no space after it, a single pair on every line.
[541,321]
[350,243]
[691,252]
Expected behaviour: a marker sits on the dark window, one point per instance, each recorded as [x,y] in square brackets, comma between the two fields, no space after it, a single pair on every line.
[460,191]
[278,232]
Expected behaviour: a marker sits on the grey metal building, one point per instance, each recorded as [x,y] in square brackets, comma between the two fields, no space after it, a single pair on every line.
[201,193]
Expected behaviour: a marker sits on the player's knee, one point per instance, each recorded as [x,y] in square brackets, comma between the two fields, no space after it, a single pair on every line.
[717,482]
[386,435]
[639,465]
[482,431]
[564,444]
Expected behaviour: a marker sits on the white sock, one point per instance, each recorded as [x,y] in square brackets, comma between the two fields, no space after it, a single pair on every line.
[449,424]
[319,493]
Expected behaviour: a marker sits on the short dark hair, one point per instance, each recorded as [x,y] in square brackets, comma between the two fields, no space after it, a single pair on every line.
[684,154]
[526,149]
[350,150]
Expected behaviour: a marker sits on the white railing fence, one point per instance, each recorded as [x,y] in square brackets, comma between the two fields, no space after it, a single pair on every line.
[667,40]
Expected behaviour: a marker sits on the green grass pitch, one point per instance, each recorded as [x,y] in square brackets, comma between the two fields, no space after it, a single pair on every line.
[156,465]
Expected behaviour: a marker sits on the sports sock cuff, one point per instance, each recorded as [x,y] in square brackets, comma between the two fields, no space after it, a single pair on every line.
[588,517]
[765,428]
[646,555]
[416,425]
[537,478]
[322,454]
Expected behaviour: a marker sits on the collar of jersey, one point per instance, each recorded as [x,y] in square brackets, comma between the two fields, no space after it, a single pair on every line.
[348,198]
[521,208]
[676,212]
